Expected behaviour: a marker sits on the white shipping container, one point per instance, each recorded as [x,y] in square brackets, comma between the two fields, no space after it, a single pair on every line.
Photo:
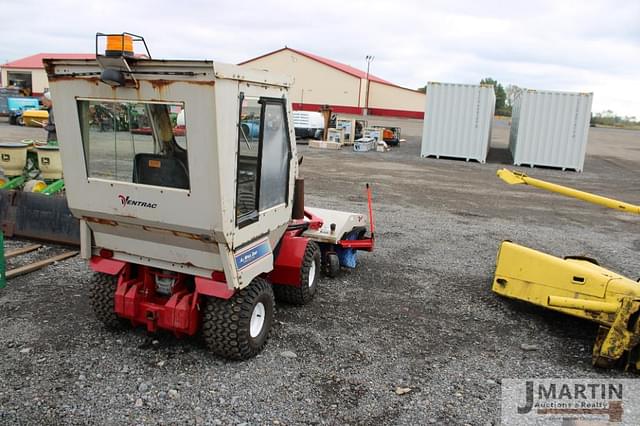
[550,128]
[457,121]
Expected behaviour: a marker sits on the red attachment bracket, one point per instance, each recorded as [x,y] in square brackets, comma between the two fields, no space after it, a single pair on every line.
[315,222]
[215,287]
[137,301]
[365,245]
[106,266]
[372,224]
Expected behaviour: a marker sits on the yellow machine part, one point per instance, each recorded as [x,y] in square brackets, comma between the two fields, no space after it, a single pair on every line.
[514,178]
[35,117]
[535,277]
[577,287]
[34,186]
[622,338]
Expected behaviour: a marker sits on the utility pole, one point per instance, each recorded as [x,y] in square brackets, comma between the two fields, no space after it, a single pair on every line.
[369,59]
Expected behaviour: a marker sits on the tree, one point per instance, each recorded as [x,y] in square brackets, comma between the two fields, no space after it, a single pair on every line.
[512,92]
[609,118]
[501,96]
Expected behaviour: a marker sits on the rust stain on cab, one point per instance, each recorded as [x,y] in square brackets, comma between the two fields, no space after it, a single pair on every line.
[162,84]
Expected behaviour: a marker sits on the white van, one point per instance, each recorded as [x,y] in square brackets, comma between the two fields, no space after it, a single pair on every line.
[308,124]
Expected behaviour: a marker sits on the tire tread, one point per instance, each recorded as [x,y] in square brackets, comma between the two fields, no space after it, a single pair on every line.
[303,294]
[102,292]
[225,323]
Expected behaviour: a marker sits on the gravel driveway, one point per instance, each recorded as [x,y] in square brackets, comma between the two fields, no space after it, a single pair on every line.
[416,317]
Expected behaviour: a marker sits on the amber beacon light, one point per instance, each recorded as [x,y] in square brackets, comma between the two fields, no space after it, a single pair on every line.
[119,45]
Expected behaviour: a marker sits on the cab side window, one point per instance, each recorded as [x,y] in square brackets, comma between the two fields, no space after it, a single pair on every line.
[274,176]
[248,161]
[264,155]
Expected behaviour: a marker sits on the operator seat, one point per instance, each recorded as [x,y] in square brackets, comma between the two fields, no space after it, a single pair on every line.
[160,170]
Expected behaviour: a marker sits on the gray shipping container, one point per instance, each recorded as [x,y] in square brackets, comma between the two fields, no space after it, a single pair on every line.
[550,128]
[457,121]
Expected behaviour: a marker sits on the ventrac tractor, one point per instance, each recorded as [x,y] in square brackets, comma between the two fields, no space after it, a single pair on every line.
[184,176]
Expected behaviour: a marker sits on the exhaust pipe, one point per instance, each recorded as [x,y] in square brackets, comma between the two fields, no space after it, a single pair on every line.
[298,199]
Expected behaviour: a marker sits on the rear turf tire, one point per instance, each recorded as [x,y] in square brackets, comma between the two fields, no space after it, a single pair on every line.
[309,273]
[238,328]
[102,291]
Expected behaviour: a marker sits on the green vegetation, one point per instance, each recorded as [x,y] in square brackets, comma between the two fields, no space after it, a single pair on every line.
[502,106]
[609,119]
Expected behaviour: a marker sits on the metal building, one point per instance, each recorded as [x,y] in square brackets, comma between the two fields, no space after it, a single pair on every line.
[457,121]
[320,81]
[29,74]
[550,128]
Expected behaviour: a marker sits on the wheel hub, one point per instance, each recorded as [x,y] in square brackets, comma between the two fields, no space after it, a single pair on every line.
[312,274]
[257,320]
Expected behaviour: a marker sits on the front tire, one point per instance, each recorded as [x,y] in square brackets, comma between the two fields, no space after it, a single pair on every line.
[238,328]
[308,279]
[332,265]
[102,293]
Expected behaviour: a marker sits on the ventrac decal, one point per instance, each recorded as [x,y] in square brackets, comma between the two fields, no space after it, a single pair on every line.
[125,200]
[248,256]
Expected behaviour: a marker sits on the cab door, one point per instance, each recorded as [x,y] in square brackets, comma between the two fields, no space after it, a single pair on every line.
[264,158]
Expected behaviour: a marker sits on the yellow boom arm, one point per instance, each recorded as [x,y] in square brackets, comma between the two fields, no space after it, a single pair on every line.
[513,178]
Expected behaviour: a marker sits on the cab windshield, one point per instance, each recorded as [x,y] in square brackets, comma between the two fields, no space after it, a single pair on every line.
[133,141]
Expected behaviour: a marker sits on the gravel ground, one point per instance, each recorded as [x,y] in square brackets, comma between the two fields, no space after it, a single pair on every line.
[417,313]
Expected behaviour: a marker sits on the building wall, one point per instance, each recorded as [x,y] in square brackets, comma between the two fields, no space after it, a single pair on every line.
[39,80]
[385,97]
[3,75]
[313,82]
[316,84]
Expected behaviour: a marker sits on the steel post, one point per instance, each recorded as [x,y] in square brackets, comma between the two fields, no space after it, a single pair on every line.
[3,278]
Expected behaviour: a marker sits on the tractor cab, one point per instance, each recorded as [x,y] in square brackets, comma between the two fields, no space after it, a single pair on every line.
[182,174]
[179,196]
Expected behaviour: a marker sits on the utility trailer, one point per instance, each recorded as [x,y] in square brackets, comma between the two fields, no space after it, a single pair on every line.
[194,231]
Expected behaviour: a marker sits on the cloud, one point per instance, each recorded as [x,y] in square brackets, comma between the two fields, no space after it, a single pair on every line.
[556,45]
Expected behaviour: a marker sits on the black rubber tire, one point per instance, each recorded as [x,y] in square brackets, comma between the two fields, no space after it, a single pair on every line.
[332,265]
[20,121]
[307,290]
[226,323]
[102,292]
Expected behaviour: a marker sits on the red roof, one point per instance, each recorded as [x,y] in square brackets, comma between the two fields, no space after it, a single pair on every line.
[35,61]
[329,62]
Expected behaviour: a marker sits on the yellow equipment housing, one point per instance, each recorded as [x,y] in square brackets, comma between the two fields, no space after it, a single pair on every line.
[575,285]
[35,117]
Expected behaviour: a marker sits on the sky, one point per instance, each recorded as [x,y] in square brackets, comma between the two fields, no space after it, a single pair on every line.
[583,46]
